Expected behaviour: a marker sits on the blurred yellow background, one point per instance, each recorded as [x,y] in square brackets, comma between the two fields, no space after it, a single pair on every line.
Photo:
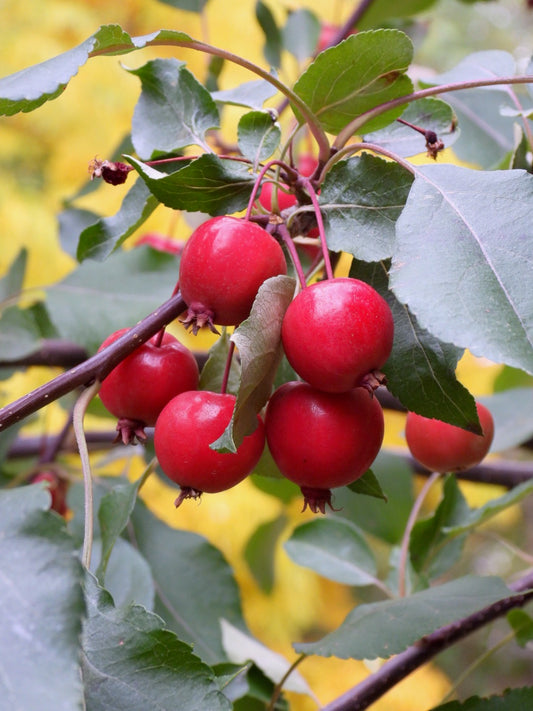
[43,160]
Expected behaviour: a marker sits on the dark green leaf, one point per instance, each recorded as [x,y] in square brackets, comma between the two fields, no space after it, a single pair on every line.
[511,410]
[475,517]
[195,585]
[300,34]
[251,94]
[113,514]
[273,41]
[382,629]
[421,369]
[260,551]
[241,647]
[99,240]
[430,114]
[432,551]
[258,340]
[174,110]
[72,222]
[383,520]
[259,135]
[128,575]
[97,299]
[213,371]
[360,73]
[208,184]
[382,10]
[361,200]
[334,549]
[20,335]
[368,485]
[511,700]
[42,600]
[522,625]
[11,282]
[278,486]
[131,662]
[463,256]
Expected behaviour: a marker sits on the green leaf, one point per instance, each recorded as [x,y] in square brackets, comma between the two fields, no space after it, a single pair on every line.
[383,520]
[421,369]
[463,256]
[475,517]
[368,485]
[360,73]
[260,551]
[432,551]
[382,10]
[128,575]
[194,584]
[42,599]
[259,135]
[511,700]
[20,335]
[430,114]
[97,241]
[361,199]
[212,373]
[174,110]
[113,514]
[72,222]
[334,549]
[208,184]
[382,629]
[30,88]
[273,41]
[97,299]
[522,625]
[11,282]
[241,647]
[251,94]
[258,339]
[511,411]
[301,33]
[131,662]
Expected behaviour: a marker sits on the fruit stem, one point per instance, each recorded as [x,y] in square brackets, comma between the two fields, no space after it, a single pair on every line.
[258,182]
[279,686]
[404,549]
[282,230]
[78,415]
[364,146]
[158,340]
[320,224]
[351,128]
[227,367]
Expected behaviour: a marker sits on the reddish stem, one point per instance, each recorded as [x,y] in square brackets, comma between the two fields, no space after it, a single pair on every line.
[227,368]
[158,340]
[282,230]
[320,224]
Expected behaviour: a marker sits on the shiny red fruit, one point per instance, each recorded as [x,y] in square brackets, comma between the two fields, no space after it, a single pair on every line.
[141,385]
[224,263]
[183,432]
[336,332]
[322,440]
[442,447]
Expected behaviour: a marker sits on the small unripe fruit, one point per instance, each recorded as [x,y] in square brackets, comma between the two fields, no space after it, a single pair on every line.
[442,447]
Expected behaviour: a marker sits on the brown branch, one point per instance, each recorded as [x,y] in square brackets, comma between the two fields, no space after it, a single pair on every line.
[96,367]
[360,697]
[53,352]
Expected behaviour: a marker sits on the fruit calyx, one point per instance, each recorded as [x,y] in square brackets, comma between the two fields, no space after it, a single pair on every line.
[130,431]
[372,381]
[317,499]
[187,492]
[197,317]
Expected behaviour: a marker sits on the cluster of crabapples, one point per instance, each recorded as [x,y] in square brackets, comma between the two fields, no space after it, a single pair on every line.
[323,430]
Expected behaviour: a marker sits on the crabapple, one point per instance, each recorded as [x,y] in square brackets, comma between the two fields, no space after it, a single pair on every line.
[322,440]
[223,264]
[337,332]
[57,486]
[306,166]
[138,388]
[186,427]
[442,447]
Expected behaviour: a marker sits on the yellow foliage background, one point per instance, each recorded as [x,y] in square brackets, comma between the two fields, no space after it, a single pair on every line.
[43,160]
